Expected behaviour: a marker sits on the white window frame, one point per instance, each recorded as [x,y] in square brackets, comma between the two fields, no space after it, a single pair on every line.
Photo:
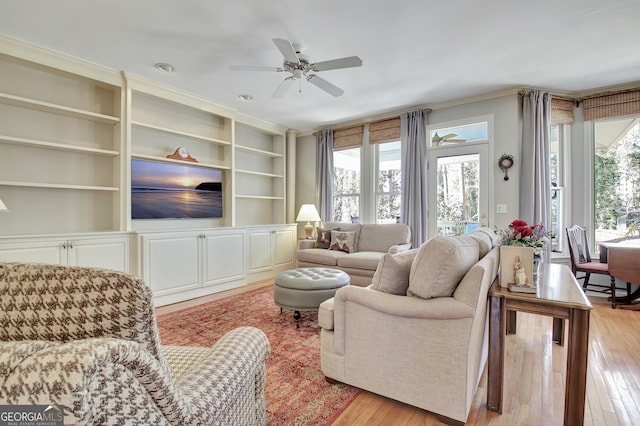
[563,186]
[351,194]
[376,174]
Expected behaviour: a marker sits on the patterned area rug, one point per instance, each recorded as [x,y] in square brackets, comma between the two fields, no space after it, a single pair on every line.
[297,393]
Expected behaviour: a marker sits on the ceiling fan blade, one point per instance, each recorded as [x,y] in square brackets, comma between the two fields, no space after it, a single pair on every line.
[348,62]
[284,86]
[252,68]
[287,50]
[325,85]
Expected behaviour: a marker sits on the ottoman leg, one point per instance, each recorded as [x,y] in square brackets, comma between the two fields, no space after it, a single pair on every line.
[296,317]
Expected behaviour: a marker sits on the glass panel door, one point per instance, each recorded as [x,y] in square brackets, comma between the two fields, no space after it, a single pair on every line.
[458,189]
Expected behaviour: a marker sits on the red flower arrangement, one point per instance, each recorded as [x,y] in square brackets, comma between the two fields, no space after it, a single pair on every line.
[520,233]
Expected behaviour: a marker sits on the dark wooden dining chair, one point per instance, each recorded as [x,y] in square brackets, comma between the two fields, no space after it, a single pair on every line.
[581,258]
[623,265]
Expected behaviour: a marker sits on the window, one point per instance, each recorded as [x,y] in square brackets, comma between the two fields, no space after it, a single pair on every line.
[467,133]
[557,169]
[388,187]
[458,176]
[346,185]
[616,172]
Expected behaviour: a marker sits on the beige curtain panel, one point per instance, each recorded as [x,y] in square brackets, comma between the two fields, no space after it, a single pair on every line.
[613,105]
[384,131]
[350,137]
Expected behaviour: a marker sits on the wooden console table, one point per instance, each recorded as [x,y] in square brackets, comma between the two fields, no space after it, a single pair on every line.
[560,296]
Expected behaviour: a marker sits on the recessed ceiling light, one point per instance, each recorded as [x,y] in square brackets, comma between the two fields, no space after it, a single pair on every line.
[245,98]
[164,67]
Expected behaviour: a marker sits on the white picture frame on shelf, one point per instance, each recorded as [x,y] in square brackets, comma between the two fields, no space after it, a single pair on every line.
[508,255]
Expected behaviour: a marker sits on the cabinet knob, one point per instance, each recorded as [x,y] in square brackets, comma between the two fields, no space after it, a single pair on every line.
[64,245]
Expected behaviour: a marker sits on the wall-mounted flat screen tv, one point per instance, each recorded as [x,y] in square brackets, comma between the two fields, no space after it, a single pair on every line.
[174,191]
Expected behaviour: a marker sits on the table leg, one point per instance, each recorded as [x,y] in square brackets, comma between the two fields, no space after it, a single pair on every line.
[512,324]
[558,331]
[577,352]
[495,362]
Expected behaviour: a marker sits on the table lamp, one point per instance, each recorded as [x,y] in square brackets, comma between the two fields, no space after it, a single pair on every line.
[309,214]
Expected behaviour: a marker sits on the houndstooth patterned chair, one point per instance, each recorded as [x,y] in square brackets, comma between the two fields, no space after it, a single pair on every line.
[87,339]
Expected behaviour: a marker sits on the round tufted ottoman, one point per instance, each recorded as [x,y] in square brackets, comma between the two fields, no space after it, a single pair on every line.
[304,289]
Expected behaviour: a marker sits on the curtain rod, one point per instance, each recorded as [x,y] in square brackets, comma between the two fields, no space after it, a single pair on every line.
[373,120]
[521,92]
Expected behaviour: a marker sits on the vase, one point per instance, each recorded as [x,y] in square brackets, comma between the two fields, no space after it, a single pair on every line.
[536,267]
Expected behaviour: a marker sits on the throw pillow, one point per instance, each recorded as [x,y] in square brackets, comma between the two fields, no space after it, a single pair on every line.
[324,237]
[343,241]
[440,265]
[392,274]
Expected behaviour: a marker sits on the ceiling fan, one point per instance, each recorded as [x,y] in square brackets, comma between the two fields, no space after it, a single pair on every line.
[437,140]
[299,65]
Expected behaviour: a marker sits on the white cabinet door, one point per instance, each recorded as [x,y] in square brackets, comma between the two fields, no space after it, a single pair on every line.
[284,246]
[109,253]
[260,249]
[52,252]
[271,247]
[170,262]
[223,254]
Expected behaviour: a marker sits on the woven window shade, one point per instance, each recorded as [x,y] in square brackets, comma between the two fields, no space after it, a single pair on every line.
[350,137]
[613,105]
[561,111]
[384,131]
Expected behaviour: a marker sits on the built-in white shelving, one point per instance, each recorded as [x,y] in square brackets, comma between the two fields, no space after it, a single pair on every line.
[37,105]
[61,144]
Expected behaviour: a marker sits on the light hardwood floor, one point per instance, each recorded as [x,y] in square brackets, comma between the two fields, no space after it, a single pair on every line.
[534,376]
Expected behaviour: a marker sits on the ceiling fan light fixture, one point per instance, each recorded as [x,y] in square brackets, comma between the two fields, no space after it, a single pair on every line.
[162,66]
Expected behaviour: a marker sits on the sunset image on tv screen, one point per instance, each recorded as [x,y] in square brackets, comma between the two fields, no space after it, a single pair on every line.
[174,191]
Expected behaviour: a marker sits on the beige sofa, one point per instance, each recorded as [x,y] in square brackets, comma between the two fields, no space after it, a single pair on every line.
[372,241]
[418,334]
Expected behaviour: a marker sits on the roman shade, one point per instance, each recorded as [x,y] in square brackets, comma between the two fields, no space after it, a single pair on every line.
[384,131]
[612,105]
[561,111]
[350,137]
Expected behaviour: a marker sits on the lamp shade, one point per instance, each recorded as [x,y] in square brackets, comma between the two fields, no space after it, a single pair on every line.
[308,213]
[3,208]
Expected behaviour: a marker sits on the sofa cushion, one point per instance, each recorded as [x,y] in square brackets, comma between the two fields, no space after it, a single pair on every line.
[392,274]
[440,265]
[485,244]
[343,241]
[347,227]
[361,260]
[380,237]
[324,237]
[320,256]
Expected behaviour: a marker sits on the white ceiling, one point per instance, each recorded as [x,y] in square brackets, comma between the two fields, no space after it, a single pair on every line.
[415,52]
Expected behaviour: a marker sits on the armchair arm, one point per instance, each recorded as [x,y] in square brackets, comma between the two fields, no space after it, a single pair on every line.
[236,363]
[94,379]
[104,378]
[402,306]
[397,248]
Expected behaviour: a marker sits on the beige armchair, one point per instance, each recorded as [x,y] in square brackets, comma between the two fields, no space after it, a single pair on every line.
[424,343]
[87,339]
